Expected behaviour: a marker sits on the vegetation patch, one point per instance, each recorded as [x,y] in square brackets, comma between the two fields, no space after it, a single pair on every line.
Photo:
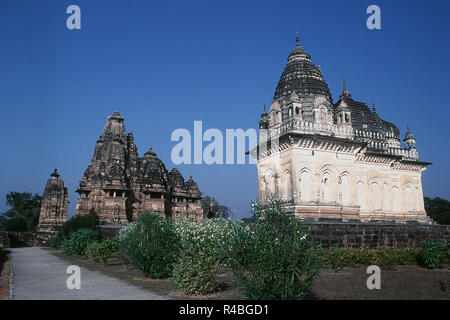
[274,258]
[151,244]
[79,241]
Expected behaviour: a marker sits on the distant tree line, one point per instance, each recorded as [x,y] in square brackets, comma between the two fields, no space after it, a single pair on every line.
[438,209]
[24,208]
[212,209]
[23,212]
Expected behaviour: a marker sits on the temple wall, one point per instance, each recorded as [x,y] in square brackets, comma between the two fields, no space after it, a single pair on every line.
[318,181]
[376,235]
[362,235]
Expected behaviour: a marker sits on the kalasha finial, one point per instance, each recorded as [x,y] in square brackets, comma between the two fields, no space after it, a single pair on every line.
[297,40]
[55,173]
[265,108]
[373,106]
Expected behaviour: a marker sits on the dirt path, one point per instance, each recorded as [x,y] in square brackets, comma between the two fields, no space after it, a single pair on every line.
[4,274]
[39,275]
[403,283]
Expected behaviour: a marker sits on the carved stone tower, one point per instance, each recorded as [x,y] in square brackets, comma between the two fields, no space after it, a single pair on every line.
[54,207]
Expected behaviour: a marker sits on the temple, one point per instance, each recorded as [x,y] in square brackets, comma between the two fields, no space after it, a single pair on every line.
[334,160]
[118,184]
[53,207]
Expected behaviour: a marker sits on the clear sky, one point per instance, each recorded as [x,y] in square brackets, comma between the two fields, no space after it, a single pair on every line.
[163,65]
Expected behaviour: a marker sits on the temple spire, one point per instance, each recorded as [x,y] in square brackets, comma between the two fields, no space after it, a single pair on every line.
[55,173]
[345,92]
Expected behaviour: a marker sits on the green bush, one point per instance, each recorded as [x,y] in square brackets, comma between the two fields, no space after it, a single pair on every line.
[16,224]
[151,244]
[273,258]
[199,255]
[101,251]
[76,223]
[194,274]
[54,242]
[202,237]
[387,258]
[92,251]
[434,253]
[79,241]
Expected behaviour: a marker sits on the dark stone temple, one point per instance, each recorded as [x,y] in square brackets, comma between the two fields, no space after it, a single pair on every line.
[53,208]
[118,184]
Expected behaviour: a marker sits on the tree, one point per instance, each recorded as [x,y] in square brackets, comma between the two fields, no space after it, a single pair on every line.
[23,206]
[438,209]
[212,209]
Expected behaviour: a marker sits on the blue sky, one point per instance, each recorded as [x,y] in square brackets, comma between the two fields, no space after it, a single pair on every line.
[164,65]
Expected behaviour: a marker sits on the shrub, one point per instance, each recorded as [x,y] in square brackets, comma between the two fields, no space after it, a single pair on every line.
[387,258]
[65,247]
[76,223]
[15,224]
[79,241]
[195,274]
[92,250]
[273,258]
[199,255]
[101,251]
[434,253]
[204,236]
[54,242]
[151,244]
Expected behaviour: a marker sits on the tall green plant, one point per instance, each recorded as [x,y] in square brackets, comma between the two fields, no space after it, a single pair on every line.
[194,271]
[151,244]
[76,223]
[80,240]
[433,253]
[273,258]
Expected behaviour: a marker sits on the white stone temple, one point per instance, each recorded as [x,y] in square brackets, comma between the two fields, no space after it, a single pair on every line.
[336,160]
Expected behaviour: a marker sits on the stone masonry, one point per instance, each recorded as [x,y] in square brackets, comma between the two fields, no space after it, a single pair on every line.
[118,184]
[53,208]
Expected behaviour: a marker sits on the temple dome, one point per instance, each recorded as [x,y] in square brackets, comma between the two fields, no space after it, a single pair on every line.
[301,76]
[152,171]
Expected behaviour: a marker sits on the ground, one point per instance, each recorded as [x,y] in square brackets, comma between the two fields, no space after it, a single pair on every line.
[405,282]
[40,273]
[4,274]
[164,287]
[37,274]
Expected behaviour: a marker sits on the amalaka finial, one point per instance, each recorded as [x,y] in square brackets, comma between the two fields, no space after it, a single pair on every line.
[55,173]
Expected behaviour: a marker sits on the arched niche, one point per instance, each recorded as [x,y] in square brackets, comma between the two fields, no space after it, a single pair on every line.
[361,195]
[305,183]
